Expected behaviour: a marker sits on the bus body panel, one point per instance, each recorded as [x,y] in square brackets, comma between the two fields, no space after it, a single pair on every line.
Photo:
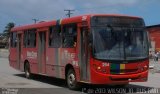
[13,58]
[30,55]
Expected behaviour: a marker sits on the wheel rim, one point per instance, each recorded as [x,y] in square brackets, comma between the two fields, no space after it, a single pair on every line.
[71,80]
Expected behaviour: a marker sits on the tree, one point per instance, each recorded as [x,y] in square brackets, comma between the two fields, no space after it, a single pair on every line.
[7,30]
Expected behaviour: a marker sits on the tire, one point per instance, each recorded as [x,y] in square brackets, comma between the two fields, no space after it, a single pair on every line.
[71,80]
[27,71]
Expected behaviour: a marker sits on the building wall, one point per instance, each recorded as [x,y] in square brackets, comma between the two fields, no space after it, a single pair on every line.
[154,33]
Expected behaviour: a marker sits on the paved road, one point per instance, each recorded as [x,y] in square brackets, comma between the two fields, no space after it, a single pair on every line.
[155,65]
[4,53]
[11,78]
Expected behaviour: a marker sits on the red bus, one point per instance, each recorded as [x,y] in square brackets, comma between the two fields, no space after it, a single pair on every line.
[94,49]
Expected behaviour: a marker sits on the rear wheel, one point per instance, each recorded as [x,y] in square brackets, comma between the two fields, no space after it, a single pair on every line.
[27,71]
[71,80]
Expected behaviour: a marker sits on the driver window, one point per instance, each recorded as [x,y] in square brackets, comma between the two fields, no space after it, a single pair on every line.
[69,36]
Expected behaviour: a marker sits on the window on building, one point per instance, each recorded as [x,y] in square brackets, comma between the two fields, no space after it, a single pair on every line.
[13,40]
[30,38]
[69,35]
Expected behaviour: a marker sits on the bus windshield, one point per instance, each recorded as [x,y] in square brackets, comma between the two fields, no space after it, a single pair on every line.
[120,41]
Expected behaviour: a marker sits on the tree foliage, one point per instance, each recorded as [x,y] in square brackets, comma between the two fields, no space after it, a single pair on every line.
[8,28]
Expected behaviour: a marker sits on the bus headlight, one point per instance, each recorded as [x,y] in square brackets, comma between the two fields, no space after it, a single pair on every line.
[99,68]
[143,68]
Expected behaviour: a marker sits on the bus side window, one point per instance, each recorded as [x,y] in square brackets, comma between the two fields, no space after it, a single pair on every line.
[32,38]
[13,41]
[29,38]
[55,36]
[25,38]
[69,35]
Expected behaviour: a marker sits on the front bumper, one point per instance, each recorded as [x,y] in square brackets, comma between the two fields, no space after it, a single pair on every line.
[99,78]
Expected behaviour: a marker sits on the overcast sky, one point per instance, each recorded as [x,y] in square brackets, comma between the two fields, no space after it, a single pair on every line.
[22,12]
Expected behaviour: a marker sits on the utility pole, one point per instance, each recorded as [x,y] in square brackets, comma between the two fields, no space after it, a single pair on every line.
[69,12]
[35,20]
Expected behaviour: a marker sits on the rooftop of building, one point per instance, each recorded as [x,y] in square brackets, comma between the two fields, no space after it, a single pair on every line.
[151,26]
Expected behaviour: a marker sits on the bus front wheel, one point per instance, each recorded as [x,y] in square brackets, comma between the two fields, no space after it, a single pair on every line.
[71,80]
[27,71]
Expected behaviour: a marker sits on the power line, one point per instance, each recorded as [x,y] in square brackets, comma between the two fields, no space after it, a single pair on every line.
[69,12]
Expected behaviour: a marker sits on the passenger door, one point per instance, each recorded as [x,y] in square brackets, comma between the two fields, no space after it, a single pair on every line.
[84,64]
[42,52]
[19,37]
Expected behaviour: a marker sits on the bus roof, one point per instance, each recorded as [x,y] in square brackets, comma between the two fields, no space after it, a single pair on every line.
[64,21]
